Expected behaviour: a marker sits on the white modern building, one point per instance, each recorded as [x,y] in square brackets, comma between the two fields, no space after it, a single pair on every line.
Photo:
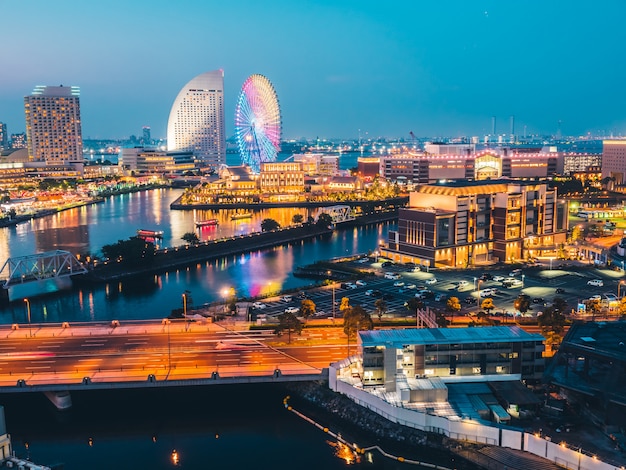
[53,126]
[196,122]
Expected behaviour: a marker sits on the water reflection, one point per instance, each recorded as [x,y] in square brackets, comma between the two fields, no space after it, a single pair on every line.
[258,273]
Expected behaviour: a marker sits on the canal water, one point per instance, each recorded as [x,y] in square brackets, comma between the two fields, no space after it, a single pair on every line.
[86,229]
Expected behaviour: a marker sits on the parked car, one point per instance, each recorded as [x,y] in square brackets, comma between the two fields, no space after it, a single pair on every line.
[560,290]
[292,310]
[360,283]
[369,292]
[595,297]
[259,305]
[470,300]
[441,298]
[515,272]
[432,280]
[286,298]
[486,277]
[398,283]
[497,278]
[411,286]
[595,282]
[487,292]
[538,300]
[386,264]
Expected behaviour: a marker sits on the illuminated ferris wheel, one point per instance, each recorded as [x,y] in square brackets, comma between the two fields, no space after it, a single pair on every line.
[257,122]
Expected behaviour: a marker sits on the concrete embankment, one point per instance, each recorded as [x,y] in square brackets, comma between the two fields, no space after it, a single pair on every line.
[393,202]
[179,257]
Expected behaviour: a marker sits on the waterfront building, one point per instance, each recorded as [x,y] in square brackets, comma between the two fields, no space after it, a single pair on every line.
[18,141]
[415,167]
[238,180]
[341,184]
[53,126]
[142,160]
[368,168]
[394,358]
[282,178]
[196,121]
[318,164]
[4,138]
[17,169]
[457,224]
[614,160]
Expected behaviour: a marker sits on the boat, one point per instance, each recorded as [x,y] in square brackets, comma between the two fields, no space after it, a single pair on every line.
[147,234]
[207,222]
[241,215]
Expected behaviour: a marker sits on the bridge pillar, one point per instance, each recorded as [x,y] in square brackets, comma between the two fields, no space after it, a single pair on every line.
[61,400]
[4,296]
[215,375]
[277,373]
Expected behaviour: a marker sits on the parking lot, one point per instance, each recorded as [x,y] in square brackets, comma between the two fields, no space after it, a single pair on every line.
[503,284]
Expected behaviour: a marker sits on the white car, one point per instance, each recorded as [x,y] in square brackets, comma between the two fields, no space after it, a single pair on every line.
[432,280]
[259,305]
[369,292]
[595,297]
[487,292]
[595,282]
[292,310]
[515,272]
[497,278]
[411,286]
[361,283]
[398,283]
[286,298]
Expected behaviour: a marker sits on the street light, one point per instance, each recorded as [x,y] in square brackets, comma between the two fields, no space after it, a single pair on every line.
[333,287]
[619,285]
[185,306]
[30,331]
[523,276]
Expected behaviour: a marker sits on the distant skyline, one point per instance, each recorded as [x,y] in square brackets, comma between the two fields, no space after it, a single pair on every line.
[338,67]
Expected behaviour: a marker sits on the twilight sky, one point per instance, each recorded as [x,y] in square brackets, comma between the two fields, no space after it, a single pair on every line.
[437,68]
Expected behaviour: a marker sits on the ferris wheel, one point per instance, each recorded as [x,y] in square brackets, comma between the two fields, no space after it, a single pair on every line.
[257,122]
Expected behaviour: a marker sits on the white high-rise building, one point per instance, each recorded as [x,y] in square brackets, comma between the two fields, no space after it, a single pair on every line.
[196,122]
[53,128]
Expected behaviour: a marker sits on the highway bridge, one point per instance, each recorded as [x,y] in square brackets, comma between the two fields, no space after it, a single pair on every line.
[57,359]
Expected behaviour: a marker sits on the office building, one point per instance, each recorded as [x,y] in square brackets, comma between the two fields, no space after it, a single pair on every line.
[18,141]
[4,138]
[430,353]
[614,160]
[463,223]
[282,177]
[147,138]
[53,127]
[196,122]
[140,160]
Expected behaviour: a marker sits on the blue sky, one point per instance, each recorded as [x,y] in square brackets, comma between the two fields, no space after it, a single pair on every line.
[386,68]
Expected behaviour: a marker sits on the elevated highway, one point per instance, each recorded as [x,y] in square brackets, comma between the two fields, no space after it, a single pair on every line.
[62,358]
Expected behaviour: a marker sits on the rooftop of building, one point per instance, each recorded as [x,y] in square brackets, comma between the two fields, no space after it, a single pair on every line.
[431,336]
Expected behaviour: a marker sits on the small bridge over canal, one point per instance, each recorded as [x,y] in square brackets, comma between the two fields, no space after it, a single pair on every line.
[31,268]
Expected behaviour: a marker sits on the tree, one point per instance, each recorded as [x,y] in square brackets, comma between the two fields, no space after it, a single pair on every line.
[324,220]
[191,238]
[356,319]
[267,225]
[345,305]
[487,304]
[132,251]
[522,304]
[381,308]
[297,219]
[413,304]
[289,322]
[551,320]
[307,308]
[453,305]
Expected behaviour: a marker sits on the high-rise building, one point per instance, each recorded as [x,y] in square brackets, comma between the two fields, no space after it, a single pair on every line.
[18,141]
[53,128]
[147,138]
[4,138]
[196,121]
[614,160]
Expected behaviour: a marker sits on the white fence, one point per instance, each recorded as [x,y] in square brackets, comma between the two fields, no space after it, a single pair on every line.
[471,431]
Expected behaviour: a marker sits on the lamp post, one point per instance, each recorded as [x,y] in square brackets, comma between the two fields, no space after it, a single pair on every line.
[30,331]
[185,306]
[523,276]
[619,285]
